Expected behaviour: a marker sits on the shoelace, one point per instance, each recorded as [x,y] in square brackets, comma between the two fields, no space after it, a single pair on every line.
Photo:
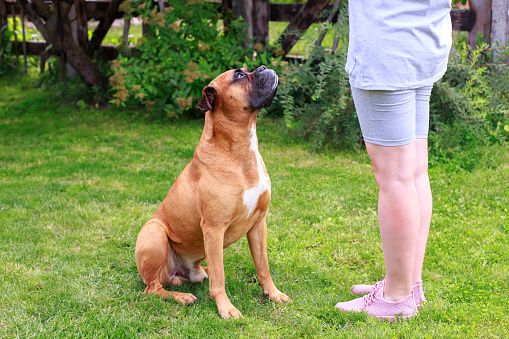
[368,299]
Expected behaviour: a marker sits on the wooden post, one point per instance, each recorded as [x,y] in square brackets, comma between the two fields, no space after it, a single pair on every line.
[227,14]
[500,25]
[161,5]
[3,13]
[482,26]
[24,40]
[244,9]
[3,21]
[125,35]
[261,17]
[81,16]
[14,28]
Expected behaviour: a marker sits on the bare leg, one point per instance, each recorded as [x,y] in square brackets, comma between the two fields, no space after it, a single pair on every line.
[398,214]
[425,205]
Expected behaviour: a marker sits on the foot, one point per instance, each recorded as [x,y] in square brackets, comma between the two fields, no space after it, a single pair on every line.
[375,305]
[184,298]
[417,290]
[276,296]
[228,311]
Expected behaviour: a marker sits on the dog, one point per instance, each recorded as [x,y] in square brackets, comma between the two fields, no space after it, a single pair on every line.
[222,195]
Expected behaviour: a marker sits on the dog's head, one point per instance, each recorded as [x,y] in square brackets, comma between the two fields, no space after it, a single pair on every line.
[239,90]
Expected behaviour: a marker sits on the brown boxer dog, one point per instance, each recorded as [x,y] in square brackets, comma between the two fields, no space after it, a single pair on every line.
[219,197]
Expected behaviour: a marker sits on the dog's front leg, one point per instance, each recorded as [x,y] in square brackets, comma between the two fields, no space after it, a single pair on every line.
[213,238]
[257,239]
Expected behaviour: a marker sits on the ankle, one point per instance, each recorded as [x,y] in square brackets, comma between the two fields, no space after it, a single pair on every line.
[394,296]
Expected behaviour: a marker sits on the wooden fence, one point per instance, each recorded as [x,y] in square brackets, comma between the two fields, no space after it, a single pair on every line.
[477,20]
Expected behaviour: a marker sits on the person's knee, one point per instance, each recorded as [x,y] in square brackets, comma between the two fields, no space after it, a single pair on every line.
[395,179]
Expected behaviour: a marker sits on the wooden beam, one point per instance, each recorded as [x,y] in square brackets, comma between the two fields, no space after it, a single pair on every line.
[261,21]
[105,52]
[81,15]
[482,25]
[244,9]
[300,23]
[3,13]
[461,18]
[500,25]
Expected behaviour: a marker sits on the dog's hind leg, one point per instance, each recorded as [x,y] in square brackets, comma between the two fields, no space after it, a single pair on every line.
[155,262]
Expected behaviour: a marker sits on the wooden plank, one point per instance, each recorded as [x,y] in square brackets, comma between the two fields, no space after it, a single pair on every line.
[500,25]
[482,25]
[105,52]
[3,13]
[261,21]
[244,9]
[462,20]
[301,22]
[81,15]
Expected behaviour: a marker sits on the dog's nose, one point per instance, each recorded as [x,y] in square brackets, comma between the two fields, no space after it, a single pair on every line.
[261,69]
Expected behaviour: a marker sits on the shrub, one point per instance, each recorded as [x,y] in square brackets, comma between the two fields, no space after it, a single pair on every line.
[7,55]
[184,49]
[469,106]
[469,109]
[317,101]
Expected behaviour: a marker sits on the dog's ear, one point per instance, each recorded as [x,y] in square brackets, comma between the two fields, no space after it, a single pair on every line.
[207,100]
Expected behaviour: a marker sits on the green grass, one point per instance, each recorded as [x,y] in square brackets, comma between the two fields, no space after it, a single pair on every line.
[76,185]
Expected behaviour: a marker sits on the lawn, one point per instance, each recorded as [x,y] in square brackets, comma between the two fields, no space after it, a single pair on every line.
[77,184]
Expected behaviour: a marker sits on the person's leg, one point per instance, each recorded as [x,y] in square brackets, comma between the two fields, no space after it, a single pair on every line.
[422,184]
[398,214]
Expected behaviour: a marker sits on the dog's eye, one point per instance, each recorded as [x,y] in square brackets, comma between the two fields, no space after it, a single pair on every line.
[239,75]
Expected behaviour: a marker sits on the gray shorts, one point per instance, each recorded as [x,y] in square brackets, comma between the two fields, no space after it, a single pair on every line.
[393,118]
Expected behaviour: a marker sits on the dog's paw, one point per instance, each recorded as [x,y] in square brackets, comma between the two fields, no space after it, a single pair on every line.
[278,297]
[185,298]
[229,313]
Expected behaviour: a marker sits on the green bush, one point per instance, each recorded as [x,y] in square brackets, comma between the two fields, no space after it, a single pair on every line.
[469,106]
[7,55]
[469,109]
[185,49]
[317,101]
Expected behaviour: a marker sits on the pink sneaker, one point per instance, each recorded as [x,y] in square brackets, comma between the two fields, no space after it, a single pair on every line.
[375,305]
[366,289]
[417,289]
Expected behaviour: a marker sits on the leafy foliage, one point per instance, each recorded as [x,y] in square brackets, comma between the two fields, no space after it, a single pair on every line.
[317,101]
[469,106]
[469,109]
[7,58]
[184,49]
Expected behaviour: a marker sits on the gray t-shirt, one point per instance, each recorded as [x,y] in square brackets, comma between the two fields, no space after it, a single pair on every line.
[398,44]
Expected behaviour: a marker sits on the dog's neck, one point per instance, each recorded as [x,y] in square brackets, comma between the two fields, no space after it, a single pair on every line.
[228,135]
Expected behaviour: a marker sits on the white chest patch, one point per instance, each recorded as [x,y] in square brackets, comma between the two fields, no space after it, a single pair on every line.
[252,195]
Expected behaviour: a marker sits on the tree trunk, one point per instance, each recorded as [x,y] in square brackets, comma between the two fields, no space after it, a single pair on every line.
[300,23]
[47,22]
